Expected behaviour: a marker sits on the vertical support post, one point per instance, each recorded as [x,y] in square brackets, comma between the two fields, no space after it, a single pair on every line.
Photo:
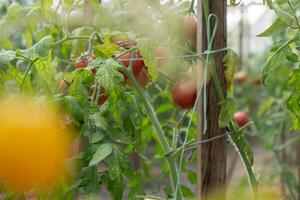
[212,157]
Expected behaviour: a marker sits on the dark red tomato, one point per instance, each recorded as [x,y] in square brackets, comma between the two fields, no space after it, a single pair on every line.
[102,98]
[184,94]
[241,118]
[190,27]
[137,65]
[142,79]
[63,85]
[81,63]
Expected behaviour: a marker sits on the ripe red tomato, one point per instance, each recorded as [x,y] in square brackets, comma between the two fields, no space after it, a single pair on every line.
[102,98]
[142,79]
[190,27]
[240,77]
[81,63]
[241,118]
[184,94]
[63,85]
[137,65]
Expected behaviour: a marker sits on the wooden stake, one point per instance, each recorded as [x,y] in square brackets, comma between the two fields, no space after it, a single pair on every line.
[212,157]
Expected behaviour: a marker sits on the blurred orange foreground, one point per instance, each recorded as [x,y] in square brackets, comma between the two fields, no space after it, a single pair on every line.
[33,146]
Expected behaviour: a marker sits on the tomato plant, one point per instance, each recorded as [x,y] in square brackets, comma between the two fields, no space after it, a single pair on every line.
[117,70]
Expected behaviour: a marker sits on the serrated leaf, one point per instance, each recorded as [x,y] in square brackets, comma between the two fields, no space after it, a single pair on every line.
[81,80]
[97,137]
[73,108]
[6,56]
[13,11]
[286,17]
[275,60]
[43,47]
[276,28]
[99,120]
[146,48]
[228,108]
[293,102]
[116,187]
[231,62]
[89,180]
[46,74]
[246,154]
[107,49]
[109,77]
[102,152]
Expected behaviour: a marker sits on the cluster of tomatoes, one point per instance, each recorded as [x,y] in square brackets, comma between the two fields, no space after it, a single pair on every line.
[184,92]
[138,69]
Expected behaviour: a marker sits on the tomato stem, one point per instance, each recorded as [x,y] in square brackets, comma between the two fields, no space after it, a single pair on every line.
[26,72]
[160,133]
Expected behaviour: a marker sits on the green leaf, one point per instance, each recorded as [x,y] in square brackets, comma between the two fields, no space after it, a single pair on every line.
[46,7]
[293,58]
[73,108]
[146,48]
[246,154]
[293,102]
[79,46]
[89,180]
[81,80]
[109,77]
[46,73]
[228,108]
[286,17]
[276,28]
[43,47]
[275,60]
[117,182]
[102,152]
[99,120]
[192,177]
[6,56]
[289,179]
[13,11]
[187,192]
[270,3]
[107,49]
[231,62]
[97,137]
